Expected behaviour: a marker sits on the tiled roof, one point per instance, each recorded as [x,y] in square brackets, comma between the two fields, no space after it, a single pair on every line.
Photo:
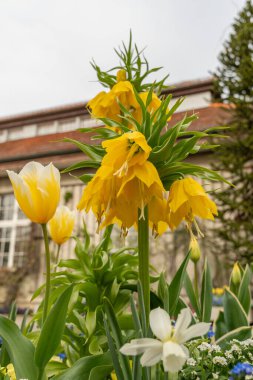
[48,148]
[79,109]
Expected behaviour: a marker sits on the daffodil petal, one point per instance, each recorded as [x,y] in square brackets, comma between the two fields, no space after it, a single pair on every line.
[183,321]
[152,356]
[196,330]
[160,324]
[174,357]
[138,346]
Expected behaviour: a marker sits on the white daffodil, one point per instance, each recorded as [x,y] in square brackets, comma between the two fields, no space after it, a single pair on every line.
[170,346]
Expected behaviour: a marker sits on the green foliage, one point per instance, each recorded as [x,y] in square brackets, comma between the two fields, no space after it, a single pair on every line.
[19,348]
[136,66]
[52,330]
[234,88]
[95,273]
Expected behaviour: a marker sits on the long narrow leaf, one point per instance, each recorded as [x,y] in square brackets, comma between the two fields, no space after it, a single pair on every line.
[52,330]
[20,350]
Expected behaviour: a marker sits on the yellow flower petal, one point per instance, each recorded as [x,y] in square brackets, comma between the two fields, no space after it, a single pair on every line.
[188,199]
[37,190]
[61,225]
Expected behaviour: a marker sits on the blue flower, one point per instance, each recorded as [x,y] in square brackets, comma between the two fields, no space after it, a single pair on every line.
[210,333]
[62,355]
[241,369]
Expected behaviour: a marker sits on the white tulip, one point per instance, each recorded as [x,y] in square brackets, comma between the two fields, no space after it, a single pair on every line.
[169,347]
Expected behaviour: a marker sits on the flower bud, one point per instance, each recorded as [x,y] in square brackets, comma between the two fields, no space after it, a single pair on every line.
[236,276]
[61,225]
[121,75]
[194,250]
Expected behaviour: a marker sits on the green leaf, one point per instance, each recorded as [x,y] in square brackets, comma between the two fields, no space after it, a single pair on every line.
[206,298]
[52,330]
[82,164]
[100,372]
[163,292]
[191,294]
[244,291]
[94,152]
[117,336]
[176,284]
[114,352]
[19,348]
[234,314]
[220,326]
[241,333]
[82,369]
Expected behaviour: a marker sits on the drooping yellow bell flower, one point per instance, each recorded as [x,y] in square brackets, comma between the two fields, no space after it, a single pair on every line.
[188,199]
[158,218]
[126,151]
[61,225]
[106,105]
[37,190]
[100,192]
[151,108]
[120,198]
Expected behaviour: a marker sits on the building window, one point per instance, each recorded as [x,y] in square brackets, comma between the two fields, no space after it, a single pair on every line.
[15,233]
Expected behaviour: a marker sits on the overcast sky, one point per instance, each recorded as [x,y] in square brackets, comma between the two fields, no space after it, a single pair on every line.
[46,45]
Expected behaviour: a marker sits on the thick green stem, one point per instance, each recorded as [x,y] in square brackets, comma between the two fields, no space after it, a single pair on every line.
[143,252]
[172,376]
[196,281]
[47,291]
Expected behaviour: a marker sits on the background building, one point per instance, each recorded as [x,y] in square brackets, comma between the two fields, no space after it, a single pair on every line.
[37,136]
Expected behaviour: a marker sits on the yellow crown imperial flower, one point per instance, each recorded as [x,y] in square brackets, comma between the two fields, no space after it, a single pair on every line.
[37,190]
[106,104]
[61,225]
[151,108]
[125,151]
[124,183]
[188,199]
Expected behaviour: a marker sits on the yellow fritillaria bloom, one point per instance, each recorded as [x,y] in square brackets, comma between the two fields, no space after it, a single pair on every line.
[106,105]
[158,215]
[188,199]
[99,193]
[37,190]
[124,183]
[151,108]
[61,225]
[126,151]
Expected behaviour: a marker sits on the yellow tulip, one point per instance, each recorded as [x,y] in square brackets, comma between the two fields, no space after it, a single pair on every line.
[188,199]
[61,225]
[37,190]
[236,276]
